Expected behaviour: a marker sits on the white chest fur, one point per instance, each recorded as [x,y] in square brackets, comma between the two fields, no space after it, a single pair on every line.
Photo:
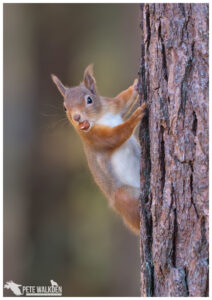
[125,163]
[110,120]
[125,160]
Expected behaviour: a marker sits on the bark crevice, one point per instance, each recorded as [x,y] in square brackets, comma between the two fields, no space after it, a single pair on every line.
[163,52]
[191,188]
[147,281]
[194,125]
[184,87]
[174,239]
[148,27]
[162,158]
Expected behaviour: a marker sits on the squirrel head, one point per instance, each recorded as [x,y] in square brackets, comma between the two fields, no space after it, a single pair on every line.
[81,103]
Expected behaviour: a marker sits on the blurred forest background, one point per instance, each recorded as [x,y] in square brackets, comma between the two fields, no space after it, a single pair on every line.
[57,224]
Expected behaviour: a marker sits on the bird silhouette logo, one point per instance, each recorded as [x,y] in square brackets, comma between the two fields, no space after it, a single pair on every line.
[14,287]
[53,283]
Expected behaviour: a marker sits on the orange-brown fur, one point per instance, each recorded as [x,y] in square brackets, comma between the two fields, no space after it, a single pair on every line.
[102,141]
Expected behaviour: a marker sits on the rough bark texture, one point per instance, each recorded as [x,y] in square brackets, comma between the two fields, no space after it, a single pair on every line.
[173,79]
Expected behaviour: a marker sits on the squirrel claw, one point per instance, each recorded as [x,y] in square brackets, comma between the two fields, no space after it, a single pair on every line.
[143,106]
[135,85]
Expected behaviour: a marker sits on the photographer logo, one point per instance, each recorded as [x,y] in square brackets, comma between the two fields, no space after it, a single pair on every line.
[30,290]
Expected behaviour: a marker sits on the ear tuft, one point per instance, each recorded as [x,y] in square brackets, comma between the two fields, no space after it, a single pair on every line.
[58,83]
[89,79]
[89,69]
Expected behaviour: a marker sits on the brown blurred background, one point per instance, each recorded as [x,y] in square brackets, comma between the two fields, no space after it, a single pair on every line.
[57,224]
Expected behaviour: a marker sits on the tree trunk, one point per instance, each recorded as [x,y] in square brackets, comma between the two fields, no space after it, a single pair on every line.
[173,80]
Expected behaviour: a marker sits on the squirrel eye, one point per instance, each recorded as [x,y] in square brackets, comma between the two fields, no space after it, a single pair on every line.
[89,100]
[65,109]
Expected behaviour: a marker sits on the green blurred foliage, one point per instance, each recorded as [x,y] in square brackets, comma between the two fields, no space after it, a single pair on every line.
[57,224]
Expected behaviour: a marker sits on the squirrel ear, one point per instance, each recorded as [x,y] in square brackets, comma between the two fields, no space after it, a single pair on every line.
[89,79]
[60,86]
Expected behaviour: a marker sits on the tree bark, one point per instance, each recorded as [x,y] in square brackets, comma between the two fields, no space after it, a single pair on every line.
[173,80]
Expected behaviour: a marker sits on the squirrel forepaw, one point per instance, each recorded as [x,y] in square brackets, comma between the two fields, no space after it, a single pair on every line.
[139,112]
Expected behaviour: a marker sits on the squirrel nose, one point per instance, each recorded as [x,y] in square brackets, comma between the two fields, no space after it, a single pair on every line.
[76,117]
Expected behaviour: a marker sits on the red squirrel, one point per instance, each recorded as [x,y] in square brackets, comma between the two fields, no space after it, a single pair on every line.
[112,152]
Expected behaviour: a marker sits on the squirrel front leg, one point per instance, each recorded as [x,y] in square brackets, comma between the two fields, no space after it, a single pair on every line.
[105,137]
[127,98]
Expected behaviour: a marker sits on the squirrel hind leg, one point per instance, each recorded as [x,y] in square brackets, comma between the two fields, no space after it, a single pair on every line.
[126,203]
